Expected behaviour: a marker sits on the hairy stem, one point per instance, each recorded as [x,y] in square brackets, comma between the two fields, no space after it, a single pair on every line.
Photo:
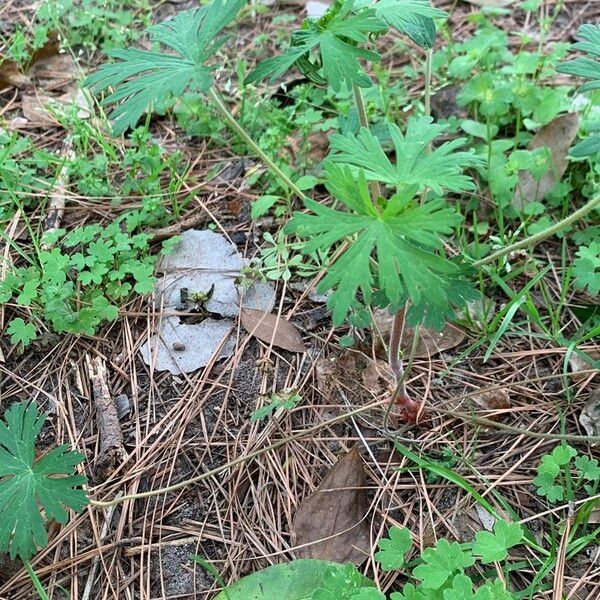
[235,126]
[37,584]
[394,354]
[532,240]
[363,119]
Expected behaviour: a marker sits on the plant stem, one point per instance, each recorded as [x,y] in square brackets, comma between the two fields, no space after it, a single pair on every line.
[363,119]
[37,584]
[394,353]
[532,240]
[398,324]
[428,67]
[235,126]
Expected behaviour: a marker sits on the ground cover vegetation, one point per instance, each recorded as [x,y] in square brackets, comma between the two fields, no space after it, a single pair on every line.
[416,180]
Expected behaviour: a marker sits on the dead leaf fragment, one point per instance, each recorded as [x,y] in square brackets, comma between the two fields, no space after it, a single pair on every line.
[332,519]
[557,136]
[492,400]
[579,364]
[590,415]
[270,328]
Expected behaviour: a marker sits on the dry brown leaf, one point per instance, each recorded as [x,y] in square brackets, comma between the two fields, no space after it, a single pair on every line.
[492,400]
[39,108]
[11,75]
[270,328]
[557,136]
[578,364]
[590,415]
[336,510]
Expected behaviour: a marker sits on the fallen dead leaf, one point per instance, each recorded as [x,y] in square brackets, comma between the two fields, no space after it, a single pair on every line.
[590,415]
[557,136]
[270,328]
[578,364]
[332,519]
[41,108]
[492,400]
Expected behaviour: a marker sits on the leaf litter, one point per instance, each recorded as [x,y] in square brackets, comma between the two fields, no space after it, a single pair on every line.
[330,524]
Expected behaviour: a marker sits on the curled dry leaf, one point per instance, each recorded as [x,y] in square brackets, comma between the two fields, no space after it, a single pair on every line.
[590,415]
[580,367]
[332,519]
[272,329]
[493,400]
[557,136]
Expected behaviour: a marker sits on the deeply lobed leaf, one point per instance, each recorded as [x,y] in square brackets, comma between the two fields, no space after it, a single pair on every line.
[142,78]
[402,241]
[441,169]
[29,486]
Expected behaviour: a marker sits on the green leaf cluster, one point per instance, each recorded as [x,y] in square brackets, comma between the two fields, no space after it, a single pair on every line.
[143,78]
[586,268]
[326,49]
[554,480]
[33,491]
[78,285]
[587,67]
[394,250]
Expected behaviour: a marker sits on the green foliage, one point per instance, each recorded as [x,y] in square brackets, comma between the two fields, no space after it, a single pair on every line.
[586,268]
[87,24]
[494,547]
[33,491]
[393,549]
[441,169]
[441,571]
[334,36]
[299,580]
[588,68]
[286,400]
[403,235]
[441,562]
[326,51]
[141,79]
[77,286]
[21,332]
[554,481]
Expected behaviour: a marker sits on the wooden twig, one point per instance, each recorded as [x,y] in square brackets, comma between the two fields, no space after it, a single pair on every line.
[109,429]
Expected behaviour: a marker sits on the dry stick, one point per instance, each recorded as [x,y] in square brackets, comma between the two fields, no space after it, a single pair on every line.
[559,569]
[542,235]
[239,460]
[56,207]
[233,124]
[109,428]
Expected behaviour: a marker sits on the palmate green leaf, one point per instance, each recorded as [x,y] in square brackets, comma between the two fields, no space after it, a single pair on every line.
[494,546]
[393,549]
[142,78]
[440,169]
[585,67]
[402,239]
[442,562]
[29,486]
[333,38]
